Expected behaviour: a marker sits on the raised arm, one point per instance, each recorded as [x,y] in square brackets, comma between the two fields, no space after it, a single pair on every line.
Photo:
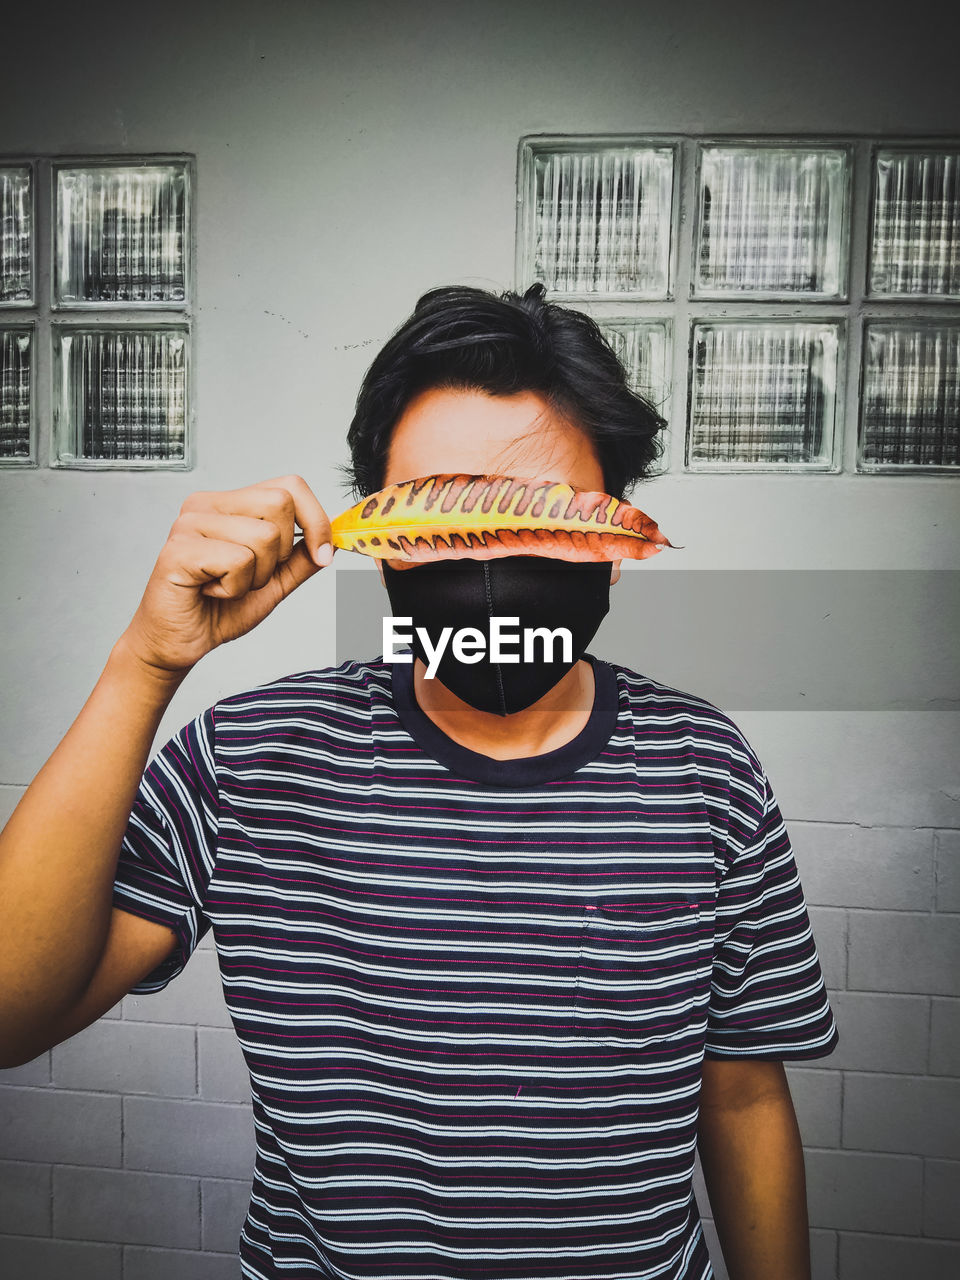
[66,954]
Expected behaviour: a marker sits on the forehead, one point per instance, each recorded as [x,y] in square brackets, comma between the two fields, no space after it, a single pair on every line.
[467,431]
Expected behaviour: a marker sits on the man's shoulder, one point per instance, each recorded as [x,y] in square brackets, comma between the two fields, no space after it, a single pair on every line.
[348,689]
[656,704]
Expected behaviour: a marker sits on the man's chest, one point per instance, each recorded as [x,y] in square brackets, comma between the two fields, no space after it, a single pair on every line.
[433,925]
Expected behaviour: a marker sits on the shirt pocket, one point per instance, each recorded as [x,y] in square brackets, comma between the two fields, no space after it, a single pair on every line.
[644,970]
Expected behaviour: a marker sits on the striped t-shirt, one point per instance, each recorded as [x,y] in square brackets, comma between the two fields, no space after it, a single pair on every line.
[474,995]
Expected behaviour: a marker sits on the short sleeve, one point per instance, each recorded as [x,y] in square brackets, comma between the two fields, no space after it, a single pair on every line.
[767,998]
[169,848]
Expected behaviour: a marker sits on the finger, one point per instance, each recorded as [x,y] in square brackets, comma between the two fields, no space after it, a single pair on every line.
[223,569]
[289,575]
[295,571]
[254,502]
[310,516]
[287,500]
[261,535]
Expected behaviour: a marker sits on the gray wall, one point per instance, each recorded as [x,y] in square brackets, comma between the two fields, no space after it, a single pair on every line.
[349,157]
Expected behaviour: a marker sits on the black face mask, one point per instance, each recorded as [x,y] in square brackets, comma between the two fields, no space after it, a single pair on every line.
[538,590]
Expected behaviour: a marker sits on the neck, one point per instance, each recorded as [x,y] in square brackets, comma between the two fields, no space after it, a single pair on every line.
[554,720]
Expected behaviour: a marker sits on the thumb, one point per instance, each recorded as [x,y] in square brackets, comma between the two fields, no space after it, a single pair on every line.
[297,569]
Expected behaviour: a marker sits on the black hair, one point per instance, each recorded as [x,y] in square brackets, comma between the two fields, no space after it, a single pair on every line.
[465,338]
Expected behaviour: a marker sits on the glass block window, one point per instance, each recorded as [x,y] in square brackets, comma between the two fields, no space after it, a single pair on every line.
[743,296]
[910,408]
[599,220]
[16,236]
[645,350]
[111,336]
[915,233]
[16,386]
[122,234]
[122,394]
[763,393]
[771,220]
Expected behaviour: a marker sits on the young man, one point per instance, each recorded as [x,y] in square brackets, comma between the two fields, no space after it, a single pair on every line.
[500,954]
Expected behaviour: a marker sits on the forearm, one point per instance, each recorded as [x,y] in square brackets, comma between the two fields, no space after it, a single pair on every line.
[59,850]
[752,1161]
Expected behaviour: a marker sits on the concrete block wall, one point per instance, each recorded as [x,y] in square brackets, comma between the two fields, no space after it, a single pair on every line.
[128,1149]
[349,158]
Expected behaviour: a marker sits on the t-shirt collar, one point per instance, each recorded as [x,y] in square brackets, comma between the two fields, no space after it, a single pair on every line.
[523,771]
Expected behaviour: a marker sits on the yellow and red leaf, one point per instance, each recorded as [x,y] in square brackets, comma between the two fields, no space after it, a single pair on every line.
[450,517]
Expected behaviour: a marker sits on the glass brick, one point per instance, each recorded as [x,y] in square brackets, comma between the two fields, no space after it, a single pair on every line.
[601,221]
[122,394]
[910,408]
[15,393]
[644,349]
[772,221]
[16,236]
[915,242]
[763,394]
[122,234]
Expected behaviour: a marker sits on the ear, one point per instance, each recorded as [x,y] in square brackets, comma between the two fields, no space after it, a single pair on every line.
[615,573]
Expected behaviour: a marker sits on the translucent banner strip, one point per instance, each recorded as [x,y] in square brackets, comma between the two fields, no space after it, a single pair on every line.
[793,639]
